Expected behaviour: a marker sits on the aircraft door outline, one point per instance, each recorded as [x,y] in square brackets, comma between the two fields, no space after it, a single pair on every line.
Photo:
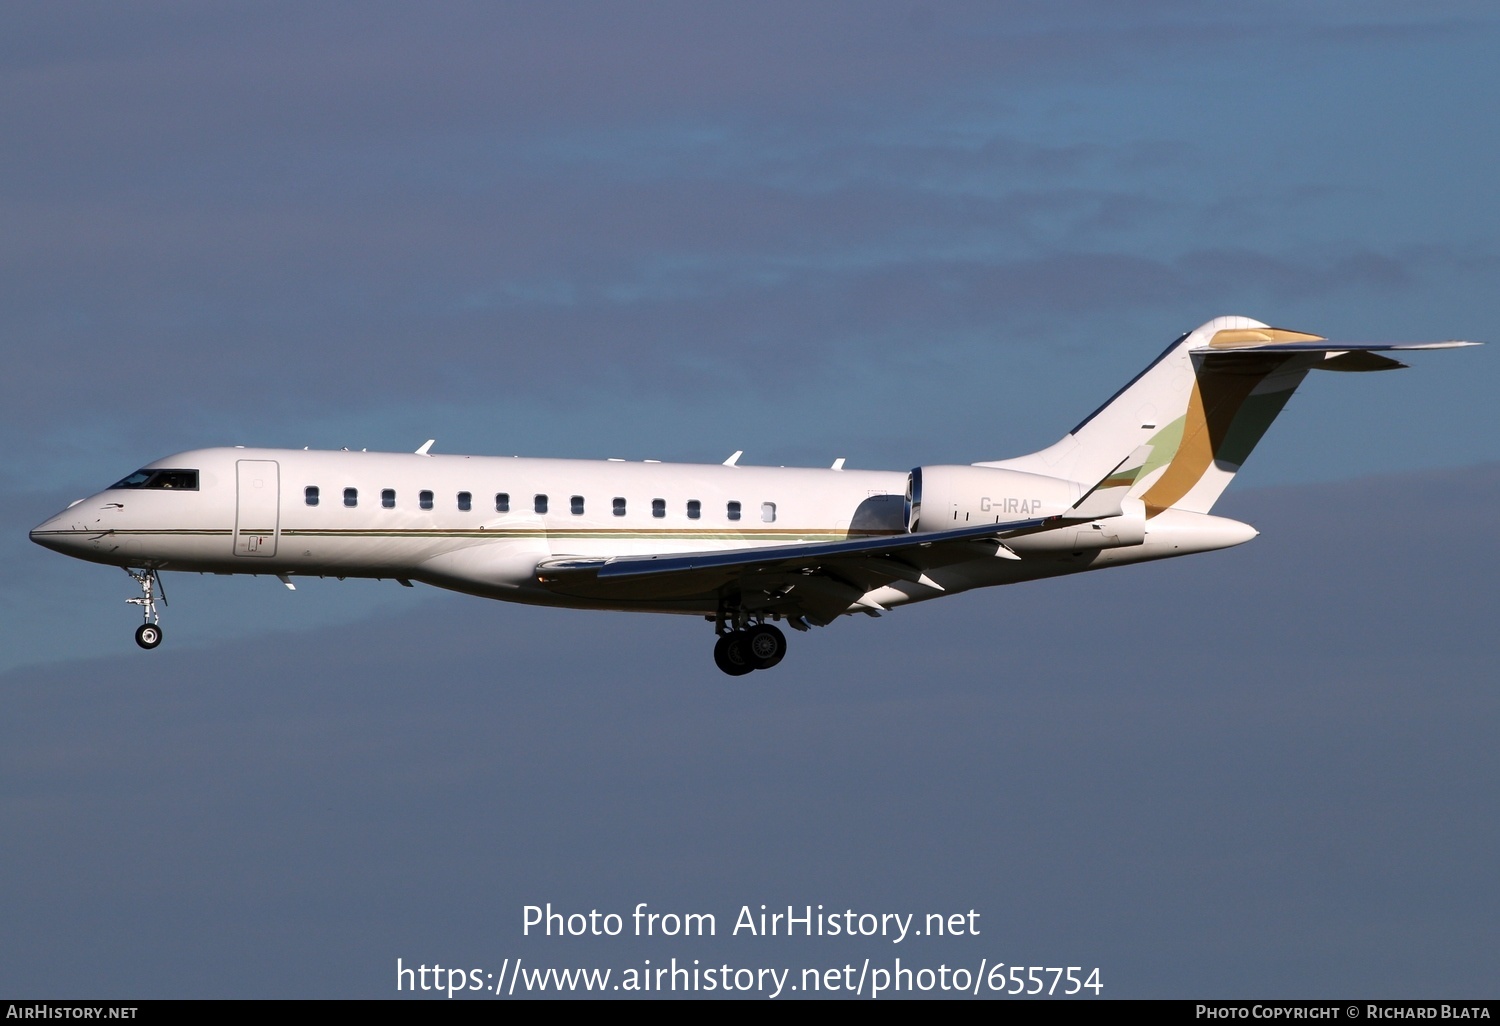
[257,508]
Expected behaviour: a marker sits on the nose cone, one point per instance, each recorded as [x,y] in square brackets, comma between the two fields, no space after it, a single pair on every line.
[61,534]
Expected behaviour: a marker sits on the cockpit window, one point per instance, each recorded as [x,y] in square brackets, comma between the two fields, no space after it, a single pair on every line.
[176,480]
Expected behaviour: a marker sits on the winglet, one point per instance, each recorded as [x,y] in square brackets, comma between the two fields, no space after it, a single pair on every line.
[425,446]
[735,458]
[1104,499]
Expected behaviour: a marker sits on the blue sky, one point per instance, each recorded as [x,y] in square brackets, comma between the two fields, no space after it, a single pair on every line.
[900,233]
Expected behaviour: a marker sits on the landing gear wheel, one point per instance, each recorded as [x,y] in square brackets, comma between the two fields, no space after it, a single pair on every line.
[148,635]
[764,646]
[730,654]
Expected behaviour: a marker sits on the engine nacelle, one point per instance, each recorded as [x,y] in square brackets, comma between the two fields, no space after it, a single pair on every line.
[941,498]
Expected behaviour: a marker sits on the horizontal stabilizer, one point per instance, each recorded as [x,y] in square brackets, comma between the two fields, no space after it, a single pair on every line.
[1279,340]
[1337,356]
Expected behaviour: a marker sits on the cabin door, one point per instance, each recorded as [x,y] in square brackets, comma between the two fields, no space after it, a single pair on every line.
[257,508]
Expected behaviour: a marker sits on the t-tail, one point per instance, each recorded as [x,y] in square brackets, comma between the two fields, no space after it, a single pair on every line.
[1201,407]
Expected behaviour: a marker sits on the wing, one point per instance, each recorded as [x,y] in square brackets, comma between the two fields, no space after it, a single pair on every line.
[816,580]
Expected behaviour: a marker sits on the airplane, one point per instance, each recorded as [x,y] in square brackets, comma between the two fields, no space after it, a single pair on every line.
[745,547]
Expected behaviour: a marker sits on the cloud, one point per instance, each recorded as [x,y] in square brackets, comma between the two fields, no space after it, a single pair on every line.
[893,232]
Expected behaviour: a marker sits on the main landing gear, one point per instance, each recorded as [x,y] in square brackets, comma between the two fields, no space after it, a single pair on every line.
[760,647]
[148,634]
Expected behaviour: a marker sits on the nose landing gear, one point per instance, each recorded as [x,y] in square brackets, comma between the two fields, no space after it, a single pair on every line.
[148,634]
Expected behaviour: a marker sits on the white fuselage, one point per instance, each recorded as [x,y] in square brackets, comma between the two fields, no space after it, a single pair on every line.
[746,547]
[482,524]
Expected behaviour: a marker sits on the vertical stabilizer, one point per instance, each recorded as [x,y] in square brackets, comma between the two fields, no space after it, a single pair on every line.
[1201,407]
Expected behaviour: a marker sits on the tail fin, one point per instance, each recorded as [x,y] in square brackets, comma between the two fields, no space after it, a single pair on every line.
[1201,406]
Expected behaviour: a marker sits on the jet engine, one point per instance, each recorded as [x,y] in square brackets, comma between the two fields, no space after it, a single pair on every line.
[944,497]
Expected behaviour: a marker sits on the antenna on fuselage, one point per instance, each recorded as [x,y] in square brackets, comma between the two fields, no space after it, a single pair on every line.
[425,446]
[735,458]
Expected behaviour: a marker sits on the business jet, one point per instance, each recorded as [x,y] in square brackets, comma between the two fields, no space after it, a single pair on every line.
[745,547]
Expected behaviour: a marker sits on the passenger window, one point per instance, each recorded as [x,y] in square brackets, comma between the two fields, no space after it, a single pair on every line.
[465,502]
[311,494]
[734,510]
[695,509]
[577,505]
[658,507]
[502,502]
[768,512]
[424,499]
[388,498]
[619,506]
[540,504]
[351,497]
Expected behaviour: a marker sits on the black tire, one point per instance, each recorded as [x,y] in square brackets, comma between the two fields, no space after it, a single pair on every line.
[765,646]
[730,654]
[148,635]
